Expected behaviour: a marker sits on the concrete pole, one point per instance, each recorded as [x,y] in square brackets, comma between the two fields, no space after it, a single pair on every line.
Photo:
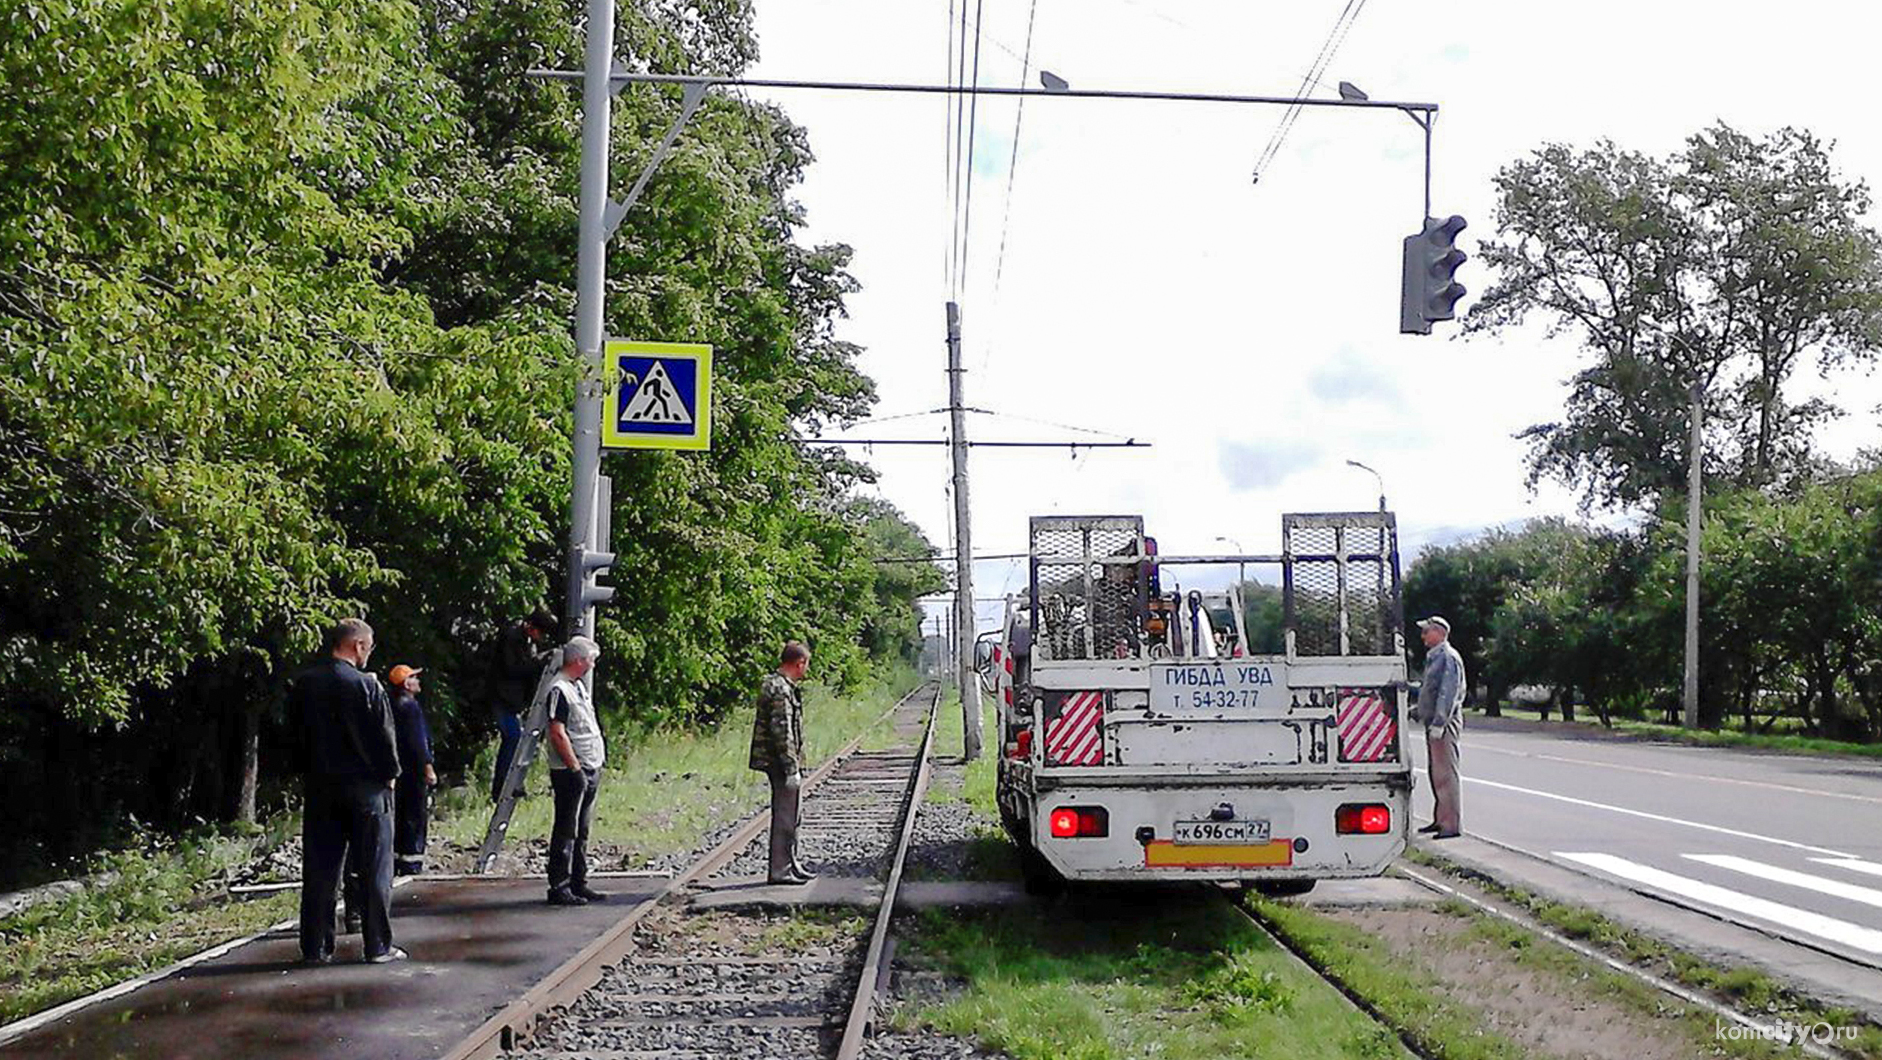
[1694,504]
[963,546]
[590,282]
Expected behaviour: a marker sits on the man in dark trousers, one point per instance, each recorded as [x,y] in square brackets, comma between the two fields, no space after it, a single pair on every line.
[351,764]
[412,798]
[576,752]
[518,666]
[777,751]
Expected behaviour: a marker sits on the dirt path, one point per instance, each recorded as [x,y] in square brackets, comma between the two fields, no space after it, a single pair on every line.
[1548,1005]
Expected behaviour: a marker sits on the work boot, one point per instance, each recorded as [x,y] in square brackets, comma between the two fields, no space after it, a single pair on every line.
[587,893]
[1428,829]
[564,896]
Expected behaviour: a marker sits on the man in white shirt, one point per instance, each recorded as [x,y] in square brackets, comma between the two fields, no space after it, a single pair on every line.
[576,752]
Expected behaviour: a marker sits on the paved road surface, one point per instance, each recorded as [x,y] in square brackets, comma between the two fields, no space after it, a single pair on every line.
[1788,845]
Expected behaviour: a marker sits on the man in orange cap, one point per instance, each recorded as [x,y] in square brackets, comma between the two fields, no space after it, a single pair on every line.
[412,798]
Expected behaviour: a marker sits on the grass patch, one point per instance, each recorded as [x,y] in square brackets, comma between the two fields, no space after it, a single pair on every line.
[162,906]
[662,790]
[1745,989]
[811,927]
[1174,974]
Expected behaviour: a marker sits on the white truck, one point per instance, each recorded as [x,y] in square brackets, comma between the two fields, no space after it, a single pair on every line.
[1144,738]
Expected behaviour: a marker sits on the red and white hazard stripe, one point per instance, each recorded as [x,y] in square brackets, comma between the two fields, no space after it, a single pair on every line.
[1367,731]
[1076,736]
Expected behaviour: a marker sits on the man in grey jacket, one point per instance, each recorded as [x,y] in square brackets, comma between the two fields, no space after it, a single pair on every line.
[1441,708]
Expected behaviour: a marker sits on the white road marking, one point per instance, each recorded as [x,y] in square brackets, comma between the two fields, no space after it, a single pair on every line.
[1675,773]
[1852,864]
[1655,817]
[1855,936]
[1834,888]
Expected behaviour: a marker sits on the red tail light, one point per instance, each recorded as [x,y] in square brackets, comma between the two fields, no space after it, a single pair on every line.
[1080,822]
[1362,818]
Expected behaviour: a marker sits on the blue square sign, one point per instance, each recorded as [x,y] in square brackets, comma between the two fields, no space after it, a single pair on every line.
[659,396]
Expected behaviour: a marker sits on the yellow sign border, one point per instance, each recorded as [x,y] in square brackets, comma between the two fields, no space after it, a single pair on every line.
[613,438]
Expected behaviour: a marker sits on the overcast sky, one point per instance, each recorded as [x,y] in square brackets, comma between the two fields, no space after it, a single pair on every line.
[1149,290]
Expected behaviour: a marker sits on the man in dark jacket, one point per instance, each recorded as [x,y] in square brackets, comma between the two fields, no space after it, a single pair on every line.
[518,667]
[411,799]
[351,761]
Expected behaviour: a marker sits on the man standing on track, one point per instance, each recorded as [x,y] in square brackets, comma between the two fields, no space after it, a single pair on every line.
[1441,708]
[777,751]
[576,752]
[351,763]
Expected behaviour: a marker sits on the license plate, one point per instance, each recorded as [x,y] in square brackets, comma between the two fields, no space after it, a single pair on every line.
[1254,832]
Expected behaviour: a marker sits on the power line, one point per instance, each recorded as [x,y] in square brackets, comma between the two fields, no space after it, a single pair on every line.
[1012,170]
[947,152]
[973,122]
[1335,37]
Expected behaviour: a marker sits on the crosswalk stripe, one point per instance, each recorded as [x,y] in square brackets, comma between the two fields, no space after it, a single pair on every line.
[1834,888]
[1852,864]
[1855,936]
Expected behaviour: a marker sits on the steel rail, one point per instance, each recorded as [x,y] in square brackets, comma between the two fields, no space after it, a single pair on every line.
[1406,1039]
[502,1031]
[869,982]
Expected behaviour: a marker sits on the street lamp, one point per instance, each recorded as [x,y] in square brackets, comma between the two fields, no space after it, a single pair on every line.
[1241,568]
[1376,476]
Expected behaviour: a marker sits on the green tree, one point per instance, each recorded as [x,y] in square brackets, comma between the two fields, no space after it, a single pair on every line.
[1732,263]
[284,303]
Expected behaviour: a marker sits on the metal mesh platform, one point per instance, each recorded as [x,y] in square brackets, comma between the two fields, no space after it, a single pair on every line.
[1342,583]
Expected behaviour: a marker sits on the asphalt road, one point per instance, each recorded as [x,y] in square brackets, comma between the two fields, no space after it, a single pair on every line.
[1788,845]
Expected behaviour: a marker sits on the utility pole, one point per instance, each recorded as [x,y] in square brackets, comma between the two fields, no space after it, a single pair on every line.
[588,529]
[1694,502]
[963,548]
[590,277]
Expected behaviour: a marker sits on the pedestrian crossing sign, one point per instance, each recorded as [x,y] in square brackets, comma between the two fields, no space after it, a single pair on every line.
[659,396]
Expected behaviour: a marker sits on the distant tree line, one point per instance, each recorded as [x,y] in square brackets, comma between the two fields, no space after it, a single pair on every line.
[1730,267]
[285,293]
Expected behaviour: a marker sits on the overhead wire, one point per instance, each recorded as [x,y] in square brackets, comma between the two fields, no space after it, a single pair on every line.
[973,125]
[947,152]
[1328,48]
[1012,170]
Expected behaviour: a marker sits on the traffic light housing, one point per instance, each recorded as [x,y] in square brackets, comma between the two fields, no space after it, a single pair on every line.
[1431,289]
[593,564]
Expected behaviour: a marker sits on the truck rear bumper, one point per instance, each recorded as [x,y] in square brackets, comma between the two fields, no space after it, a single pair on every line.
[1302,840]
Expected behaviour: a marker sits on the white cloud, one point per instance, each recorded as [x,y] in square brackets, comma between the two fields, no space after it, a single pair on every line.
[1263,465]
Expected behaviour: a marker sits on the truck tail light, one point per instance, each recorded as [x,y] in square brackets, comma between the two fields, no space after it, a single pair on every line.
[1363,818]
[1080,822]
[1022,744]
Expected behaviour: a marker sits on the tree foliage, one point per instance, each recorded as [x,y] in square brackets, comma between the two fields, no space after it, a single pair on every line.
[1791,627]
[284,304]
[1732,264]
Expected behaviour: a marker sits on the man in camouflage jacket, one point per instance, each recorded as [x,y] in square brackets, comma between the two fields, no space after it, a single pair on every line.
[777,751]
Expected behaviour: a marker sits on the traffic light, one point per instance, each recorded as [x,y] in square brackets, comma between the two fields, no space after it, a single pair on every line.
[593,564]
[1431,289]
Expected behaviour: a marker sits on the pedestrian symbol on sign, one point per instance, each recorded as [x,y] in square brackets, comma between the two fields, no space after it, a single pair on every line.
[659,396]
[652,399]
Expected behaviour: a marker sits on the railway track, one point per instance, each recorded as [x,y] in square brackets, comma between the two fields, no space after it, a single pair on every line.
[679,983]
